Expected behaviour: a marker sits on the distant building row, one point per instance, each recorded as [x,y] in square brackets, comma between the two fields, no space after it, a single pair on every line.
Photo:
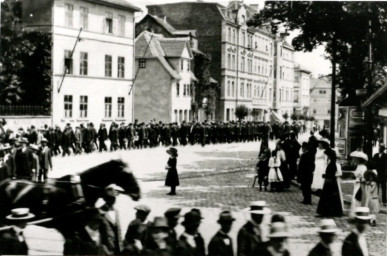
[119,71]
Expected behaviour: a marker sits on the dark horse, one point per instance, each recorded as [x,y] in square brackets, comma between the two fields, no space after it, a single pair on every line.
[63,201]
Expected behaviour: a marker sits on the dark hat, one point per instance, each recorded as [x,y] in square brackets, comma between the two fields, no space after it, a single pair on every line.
[381,145]
[305,144]
[172,151]
[143,208]
[191,217]
[225,216]
[173,213]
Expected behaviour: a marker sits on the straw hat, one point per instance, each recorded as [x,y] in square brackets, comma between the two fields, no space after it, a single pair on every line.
[259,207]
[34,147]
[328,226]
[362,213]
[20,214]
[278,229]
[143,208]
[359,154]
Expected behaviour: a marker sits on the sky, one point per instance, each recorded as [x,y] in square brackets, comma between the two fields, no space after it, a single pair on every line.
[313,61]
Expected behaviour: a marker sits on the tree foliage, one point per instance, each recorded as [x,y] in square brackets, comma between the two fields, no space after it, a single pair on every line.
[241,112]
[346,24]
[26,62]
[204,89]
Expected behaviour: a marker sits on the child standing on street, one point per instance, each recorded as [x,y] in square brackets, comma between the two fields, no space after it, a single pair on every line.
[172,179]
[275,175]
[263,169]
[372,198]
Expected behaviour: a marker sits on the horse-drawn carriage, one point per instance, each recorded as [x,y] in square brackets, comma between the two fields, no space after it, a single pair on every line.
[62,203]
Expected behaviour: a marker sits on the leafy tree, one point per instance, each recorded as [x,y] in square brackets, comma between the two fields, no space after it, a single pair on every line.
[343,27]
[26,62]
[241,112]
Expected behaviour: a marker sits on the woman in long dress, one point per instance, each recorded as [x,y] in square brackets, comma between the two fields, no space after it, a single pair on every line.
[330,204]
[361,168]
[172,179]
[275,177]
[281,156]
[321,161]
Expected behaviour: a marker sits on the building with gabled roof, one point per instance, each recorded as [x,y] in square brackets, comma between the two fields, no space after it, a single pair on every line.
[241,56]
[164,83]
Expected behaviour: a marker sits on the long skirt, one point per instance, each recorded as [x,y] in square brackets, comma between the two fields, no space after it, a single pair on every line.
[330,201]
[318,180]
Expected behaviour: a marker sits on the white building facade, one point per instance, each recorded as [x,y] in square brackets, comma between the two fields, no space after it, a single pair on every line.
[247,67]
[93,75]
[283,77]
[301,94]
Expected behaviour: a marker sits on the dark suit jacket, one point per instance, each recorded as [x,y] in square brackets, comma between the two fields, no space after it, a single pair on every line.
[248,241]
[184,248]
[82,244]
[306,168]
[113,238]
[351,246]
[218,247]
[320,250]
[381,166]
[23,163]
[10,244]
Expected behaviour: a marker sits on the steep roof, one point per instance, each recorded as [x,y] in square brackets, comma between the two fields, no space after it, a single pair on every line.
[122,4]
[319,83]
[150,45]
[163,23]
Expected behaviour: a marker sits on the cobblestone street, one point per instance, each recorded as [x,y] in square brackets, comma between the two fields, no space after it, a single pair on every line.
[224,182]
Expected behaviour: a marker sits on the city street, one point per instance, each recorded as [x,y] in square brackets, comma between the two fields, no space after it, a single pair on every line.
[213,178]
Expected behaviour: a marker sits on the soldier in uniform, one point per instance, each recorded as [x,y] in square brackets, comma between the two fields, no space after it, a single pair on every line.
[102,137]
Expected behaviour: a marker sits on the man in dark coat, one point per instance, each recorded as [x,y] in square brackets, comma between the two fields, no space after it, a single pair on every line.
[183,133]
[305,173]
[327,233]
[172,215]
[122,136]
[380,163]
[67,139]
[136,232]
[23,161]
[251,236]
[12,241]
[191,243]
[355,244]
[221,243]
[130,134]
[33,136]
[292,148]
[102,137]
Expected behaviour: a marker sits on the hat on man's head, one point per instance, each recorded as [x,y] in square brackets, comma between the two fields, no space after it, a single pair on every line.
[191,217]
[112,190]
[362,213]
[279,230]
[34,147]
[173,213]
[225,216]
[23,140]
[160,222]
[328,226]
[44,140]
[6,146]
[20,214]
[258,207]
[381,145]
[143,208]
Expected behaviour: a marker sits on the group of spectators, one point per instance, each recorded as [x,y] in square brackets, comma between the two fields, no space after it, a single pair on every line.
[100,233]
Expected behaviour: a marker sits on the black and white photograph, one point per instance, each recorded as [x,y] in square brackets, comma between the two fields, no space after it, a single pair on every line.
[193,127]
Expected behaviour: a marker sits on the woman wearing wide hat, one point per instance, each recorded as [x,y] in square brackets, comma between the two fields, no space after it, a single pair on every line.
[172,179]
[360,159]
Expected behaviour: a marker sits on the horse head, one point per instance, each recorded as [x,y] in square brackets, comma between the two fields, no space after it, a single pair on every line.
[95,179]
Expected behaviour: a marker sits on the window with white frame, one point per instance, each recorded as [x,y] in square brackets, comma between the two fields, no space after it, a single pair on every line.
[121,25]
[232,89]
[229,34]
[229,60]
[242,90]
[84,17]
[108,107]
[109,23]
[83,107]
[121,67]
[68,106]
[188,65]
[228,89]
[121,107]
[233,61]
[182,65]
[177,89]
[108,66]
[83,63]
[69,10]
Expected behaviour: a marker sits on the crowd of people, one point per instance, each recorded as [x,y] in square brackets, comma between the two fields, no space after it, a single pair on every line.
[319,171]
[27,153]
[101,233]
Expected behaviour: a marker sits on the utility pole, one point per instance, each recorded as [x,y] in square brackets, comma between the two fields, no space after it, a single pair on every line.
[333,93]
[368,112]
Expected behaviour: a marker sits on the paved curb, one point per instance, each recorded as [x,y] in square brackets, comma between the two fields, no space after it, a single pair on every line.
[243,168]
[346,201]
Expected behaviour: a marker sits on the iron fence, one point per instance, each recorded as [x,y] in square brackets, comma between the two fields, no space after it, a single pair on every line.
[6,110]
